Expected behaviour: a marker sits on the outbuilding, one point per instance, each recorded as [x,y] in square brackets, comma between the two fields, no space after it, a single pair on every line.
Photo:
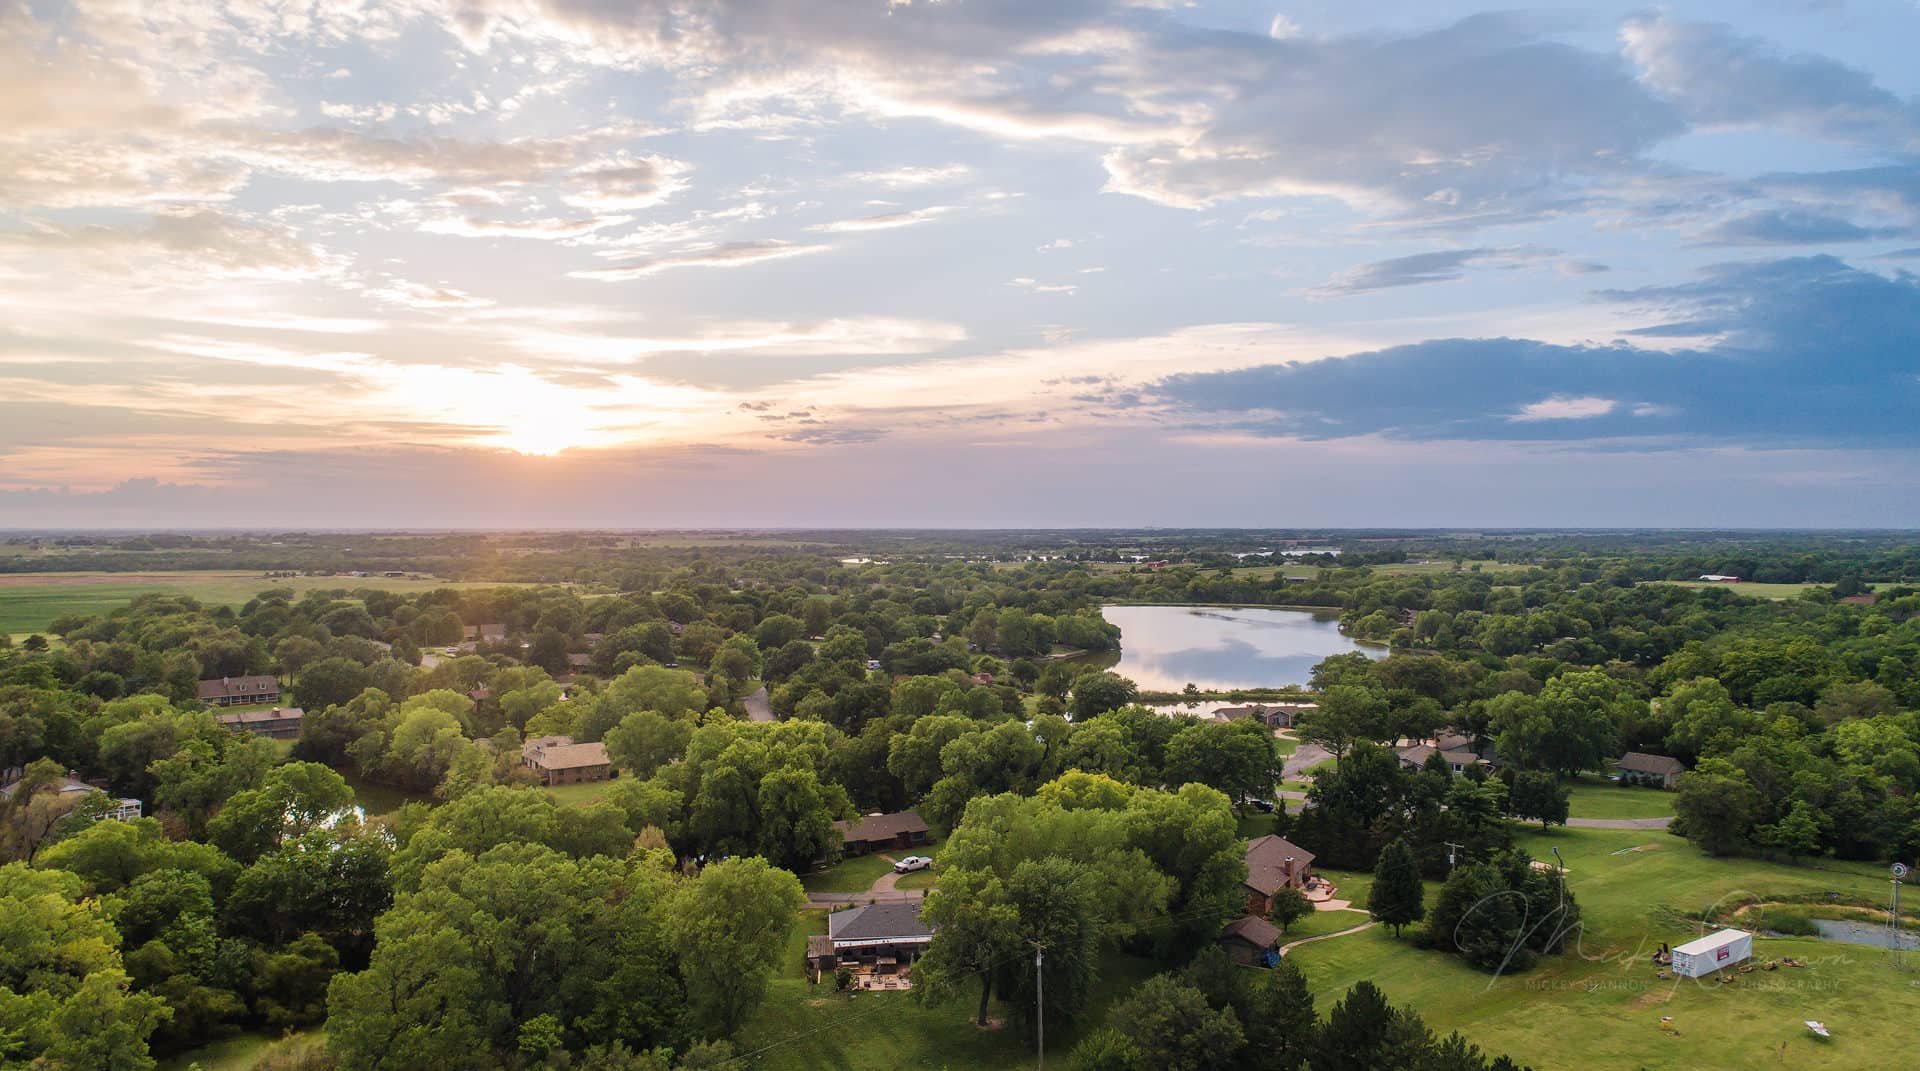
[1701,957]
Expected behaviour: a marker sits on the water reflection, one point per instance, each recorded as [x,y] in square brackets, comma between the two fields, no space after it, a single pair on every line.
[1164,648]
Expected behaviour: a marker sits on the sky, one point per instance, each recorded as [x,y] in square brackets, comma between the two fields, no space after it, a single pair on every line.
[983,263]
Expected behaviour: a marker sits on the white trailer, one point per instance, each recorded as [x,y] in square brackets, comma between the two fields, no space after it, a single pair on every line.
[1703,956]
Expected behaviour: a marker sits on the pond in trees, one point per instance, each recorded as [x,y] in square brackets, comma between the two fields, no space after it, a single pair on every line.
[1164,648]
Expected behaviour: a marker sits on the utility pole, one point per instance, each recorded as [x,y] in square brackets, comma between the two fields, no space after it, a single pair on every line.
[1451,849]
[1040,1002]
[1560,870]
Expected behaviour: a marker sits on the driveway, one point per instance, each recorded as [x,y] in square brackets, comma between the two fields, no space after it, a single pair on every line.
[1304,758]
[1620,823]
[850,899]
[758,708]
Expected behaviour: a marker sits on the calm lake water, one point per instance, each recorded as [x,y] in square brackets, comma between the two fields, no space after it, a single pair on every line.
[1163,648]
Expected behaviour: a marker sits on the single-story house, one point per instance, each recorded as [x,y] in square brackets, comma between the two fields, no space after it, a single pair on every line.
[883,935]
[579,663]
[1274,863]
[881,832]
[559,761]
[280,723]
[240,691]
[1251,940]
[1274,715]
[120,810]
[1660,771]
[487,633]
[1415,757]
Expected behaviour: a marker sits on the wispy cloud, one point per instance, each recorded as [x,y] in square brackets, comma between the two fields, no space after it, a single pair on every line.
[728,255]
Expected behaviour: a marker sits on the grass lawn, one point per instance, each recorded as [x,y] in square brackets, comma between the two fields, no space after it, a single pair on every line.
[1324,922]
[1594,797]
[803,1027]
[1600,1008]
[857,873]
[232,1054]
[577,795]
[1750,588]
[29,601]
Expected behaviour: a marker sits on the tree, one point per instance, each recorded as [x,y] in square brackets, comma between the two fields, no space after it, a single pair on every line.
[1097,693]
[1397,897]
[797,813]
[1346,713]
[1105,1049]
[1364,1033]
[1172,1027]
[1716,808]
[974,933]
[548,650]
[645,741]
[1540,795]
[330,682]
[1797,833]
[1288,906]
[729,928]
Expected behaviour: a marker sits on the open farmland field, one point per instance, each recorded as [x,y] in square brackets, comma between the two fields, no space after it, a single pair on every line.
[29,601]
[1600,1009]
[1749,589]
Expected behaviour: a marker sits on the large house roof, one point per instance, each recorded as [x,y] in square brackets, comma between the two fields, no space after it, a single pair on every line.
[882,826]
[1254,930]
[1640,762]
[570,756]
[1418,754]
[230,687]
[1267,868]
[259,717]
[888,921]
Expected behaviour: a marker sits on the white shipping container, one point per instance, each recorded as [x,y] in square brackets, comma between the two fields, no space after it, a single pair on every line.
[1703,956]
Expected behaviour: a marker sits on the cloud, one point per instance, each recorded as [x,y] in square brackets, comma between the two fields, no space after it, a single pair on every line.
[727,255]
[1718,76]
[1038,287]
[1439,266]
[911,177]
[624,182]
[1804,351]
[198,240]
[1787,227]
[887,221]
[1561,407]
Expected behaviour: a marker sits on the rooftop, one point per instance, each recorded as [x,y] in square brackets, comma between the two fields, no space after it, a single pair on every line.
[1267,866]
[882,826]
[1254,930]
[1640,762]
[889,921]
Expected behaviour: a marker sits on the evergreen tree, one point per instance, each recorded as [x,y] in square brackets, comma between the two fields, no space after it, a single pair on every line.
[1397,897]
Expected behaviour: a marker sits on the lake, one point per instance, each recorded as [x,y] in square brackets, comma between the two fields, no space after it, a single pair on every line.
[1164,648]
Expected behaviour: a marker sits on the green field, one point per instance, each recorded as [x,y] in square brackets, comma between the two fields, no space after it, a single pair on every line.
[1593,797]
[231,1054]
[29,601]
[1600,1009]
[1750,589]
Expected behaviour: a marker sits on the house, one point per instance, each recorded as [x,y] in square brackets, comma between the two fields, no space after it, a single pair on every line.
[879,832]
[559,761]
[487,633]
[280,723]
[1637,768]
[882,936]
[1274,863]
[1457,760]
[1702,956]
[240,691]
[578,663]
[1251,941]
[71,787]
[1274,715]
[1718,578]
